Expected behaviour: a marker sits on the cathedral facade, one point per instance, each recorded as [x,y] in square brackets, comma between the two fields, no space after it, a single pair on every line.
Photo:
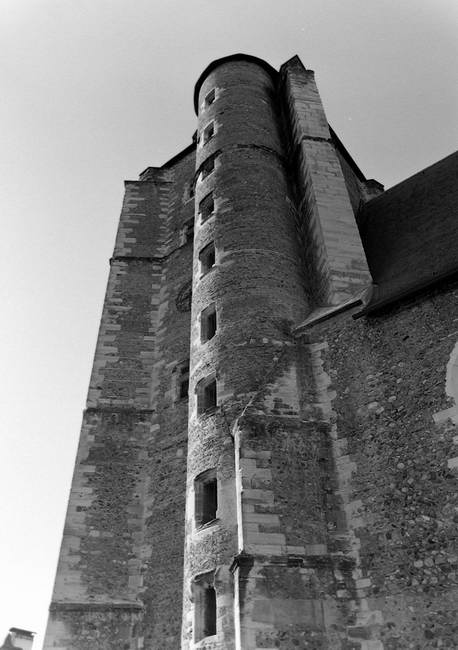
[268,451]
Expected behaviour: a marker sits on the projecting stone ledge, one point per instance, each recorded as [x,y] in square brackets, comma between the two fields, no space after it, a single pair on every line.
[95,607]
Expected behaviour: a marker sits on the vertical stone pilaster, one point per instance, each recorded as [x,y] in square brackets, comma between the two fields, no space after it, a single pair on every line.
[334,254]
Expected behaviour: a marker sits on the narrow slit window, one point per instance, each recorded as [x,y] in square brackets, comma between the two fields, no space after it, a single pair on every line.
[210,97]
[209,132]
[207,258]
[205,606]
[189,230]
[208,323]
[206,395]
[209,396]
[187,233]
[183,380]
[206,207]
[209,611]
[207,167]
[206,497]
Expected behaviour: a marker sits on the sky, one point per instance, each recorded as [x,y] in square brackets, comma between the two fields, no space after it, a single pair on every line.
[94,91]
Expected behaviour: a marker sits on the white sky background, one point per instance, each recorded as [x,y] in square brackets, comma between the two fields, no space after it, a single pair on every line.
[91,93]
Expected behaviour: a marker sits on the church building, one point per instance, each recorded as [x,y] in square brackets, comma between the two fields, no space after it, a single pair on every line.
[268,454]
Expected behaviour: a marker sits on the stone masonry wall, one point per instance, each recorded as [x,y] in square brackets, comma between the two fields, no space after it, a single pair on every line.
[167,441]
[393,496]
[333,445]
[119,575]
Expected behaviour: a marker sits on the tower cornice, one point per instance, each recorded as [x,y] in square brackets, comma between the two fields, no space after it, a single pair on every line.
[226,59]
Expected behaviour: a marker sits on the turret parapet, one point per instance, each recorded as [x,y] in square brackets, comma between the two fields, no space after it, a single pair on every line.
[228,59]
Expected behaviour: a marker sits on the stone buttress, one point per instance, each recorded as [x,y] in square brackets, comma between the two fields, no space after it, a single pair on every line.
[120,565]
[326,197]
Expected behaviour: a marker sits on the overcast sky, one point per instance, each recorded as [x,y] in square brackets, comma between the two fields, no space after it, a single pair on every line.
[91,93]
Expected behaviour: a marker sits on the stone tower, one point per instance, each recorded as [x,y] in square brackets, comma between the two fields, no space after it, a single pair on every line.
[210,424]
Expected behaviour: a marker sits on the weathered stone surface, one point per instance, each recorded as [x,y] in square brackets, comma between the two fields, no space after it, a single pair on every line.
[332,441]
